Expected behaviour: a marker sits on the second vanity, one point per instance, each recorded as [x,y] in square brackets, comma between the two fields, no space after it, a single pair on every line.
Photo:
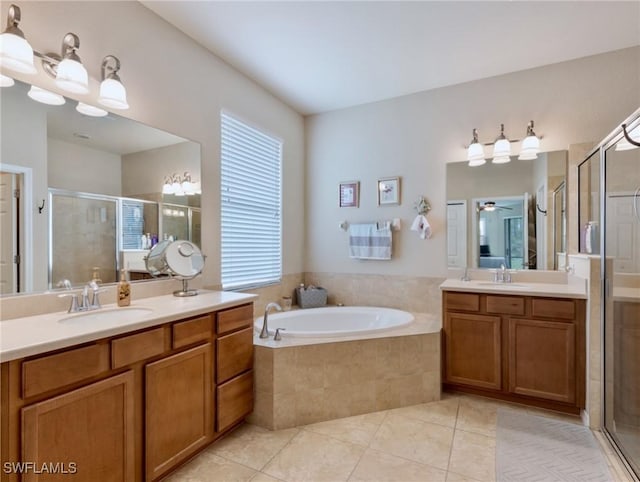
[521,342]
[124,394]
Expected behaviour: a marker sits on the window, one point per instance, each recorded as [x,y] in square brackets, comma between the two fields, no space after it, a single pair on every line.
[251,218]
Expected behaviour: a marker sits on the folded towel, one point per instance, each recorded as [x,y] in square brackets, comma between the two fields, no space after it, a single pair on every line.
[366,241]
[422,226]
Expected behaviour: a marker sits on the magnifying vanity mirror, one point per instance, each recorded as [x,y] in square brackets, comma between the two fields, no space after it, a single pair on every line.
[95,194]
[511,214]
[181,259]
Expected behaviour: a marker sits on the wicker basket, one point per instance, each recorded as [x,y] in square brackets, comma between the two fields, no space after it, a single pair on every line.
[311,297]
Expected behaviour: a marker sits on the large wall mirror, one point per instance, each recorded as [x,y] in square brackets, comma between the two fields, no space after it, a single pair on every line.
[511,214]
[94,193]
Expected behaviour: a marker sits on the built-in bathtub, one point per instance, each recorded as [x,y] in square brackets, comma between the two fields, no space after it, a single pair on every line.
[336,321]
[341,361]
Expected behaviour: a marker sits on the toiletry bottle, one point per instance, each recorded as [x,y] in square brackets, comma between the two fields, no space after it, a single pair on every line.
[124,289]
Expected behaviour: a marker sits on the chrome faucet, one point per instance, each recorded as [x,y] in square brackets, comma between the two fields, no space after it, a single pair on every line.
[83,304]
[465,275]
[265,331]
[502,275]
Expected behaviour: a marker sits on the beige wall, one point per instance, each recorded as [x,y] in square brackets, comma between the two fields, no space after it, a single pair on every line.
[176,85]
[144,172]
[415,136]
[79,168]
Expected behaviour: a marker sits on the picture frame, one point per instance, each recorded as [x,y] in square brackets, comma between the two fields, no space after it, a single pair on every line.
[389,191]
[349,194]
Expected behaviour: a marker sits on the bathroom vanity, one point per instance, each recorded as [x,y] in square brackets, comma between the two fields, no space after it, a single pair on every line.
[130,401]
[522,343]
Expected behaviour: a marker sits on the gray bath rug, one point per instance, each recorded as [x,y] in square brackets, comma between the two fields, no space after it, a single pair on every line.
[540,449]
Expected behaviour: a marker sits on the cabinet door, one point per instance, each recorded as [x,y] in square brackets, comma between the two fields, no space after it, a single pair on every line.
[472,350]
[179,407]
[91,427]
[235,400]
[542,357]
[234,354]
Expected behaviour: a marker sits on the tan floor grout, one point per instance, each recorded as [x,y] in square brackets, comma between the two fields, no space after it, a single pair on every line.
[455,427]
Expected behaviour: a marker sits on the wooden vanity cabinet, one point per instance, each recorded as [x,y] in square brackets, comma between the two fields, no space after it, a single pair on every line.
[519,348]
[132,407]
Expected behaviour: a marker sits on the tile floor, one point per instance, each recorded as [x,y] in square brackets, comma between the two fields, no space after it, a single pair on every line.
[451,440]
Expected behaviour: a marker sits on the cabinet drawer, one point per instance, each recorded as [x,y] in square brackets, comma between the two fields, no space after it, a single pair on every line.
[234,319]
[508,305]
[192,331]
[234,400]
[55,371]
[234,354]
[463,302]
[556,309]
[134,348]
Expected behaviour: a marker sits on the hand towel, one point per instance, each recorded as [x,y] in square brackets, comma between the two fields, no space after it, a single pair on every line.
[366,241]
[422,226]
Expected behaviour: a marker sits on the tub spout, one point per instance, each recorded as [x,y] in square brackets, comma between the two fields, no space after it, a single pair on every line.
[265,331]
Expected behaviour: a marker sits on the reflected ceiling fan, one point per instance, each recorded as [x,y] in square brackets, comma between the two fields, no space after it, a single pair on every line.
[491,206]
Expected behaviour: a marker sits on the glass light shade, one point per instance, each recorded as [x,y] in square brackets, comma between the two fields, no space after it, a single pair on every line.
[197,189]
[72,77]
[489,208]
[475,151]
[90,110]
[6,81]
[531,143]
[176,189]
[501,160]
[113,94]
[502,148]
[528,155]
[16,54]
[167,188]
[624,145]
[44,96]
[477,162]
[187,188]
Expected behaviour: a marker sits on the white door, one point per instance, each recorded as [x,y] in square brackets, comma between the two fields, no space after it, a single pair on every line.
[457,234]
[8,233]
[623,232]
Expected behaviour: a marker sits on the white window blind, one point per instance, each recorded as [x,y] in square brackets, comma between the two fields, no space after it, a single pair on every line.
[251,177]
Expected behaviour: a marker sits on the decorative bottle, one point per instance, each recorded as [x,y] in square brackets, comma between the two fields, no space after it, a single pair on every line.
[124,289]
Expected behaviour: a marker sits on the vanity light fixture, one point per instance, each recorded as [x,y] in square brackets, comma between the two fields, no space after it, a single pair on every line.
[15,52]
[44,96]
[501,148]
[67,69]
[90,110]
[180,186]
[6,81]
[631,140]
[530,145]
[475,152]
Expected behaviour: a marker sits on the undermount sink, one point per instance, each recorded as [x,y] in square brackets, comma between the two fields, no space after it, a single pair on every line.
[503,285]
[116,315]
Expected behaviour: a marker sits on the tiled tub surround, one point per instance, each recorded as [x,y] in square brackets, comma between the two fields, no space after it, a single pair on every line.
[307,380]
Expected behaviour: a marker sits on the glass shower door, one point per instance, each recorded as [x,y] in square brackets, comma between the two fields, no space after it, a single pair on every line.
[622,299]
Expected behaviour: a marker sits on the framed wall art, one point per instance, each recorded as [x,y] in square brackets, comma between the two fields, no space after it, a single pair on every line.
[389,191]
[349,196]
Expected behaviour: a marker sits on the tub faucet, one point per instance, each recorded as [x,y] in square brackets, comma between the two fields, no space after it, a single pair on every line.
[265,331]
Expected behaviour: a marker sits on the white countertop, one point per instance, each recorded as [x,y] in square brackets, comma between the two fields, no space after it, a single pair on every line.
[525,288]
[32,335]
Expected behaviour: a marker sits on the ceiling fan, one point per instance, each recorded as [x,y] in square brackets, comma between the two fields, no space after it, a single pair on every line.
[491,206]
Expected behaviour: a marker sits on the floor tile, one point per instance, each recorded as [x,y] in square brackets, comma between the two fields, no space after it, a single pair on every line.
[422,442]
[380,467]
[358,430]
[253,446]
[443,412]
[315,457]
[453,477]
[565,417]
[208,467]
[477,415]
[262,477]
[473,455]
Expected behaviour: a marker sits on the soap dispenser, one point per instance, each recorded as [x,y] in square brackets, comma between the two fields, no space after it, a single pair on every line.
[124,289]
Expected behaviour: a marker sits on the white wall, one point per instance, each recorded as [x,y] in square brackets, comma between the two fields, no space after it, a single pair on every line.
[83,169]
[144,172]
[415,136]
[176,85]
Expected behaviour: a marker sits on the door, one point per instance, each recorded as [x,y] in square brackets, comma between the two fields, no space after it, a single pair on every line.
[179,408]
[472,350]
[457,233]
[514,242]
[542,359]
[96,424]
[541,227]
[9,233]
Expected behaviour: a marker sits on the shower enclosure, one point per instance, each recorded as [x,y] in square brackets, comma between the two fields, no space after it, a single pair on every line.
[618,243]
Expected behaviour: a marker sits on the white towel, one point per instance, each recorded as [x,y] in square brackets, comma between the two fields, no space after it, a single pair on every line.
[366,241]
[421,225]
